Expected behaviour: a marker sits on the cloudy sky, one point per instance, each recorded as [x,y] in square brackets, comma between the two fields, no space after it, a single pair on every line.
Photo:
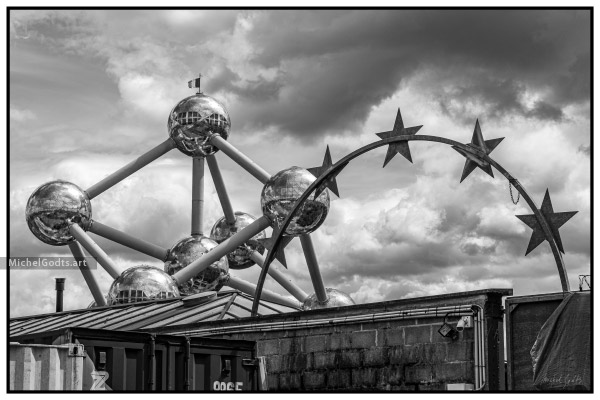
[91,90]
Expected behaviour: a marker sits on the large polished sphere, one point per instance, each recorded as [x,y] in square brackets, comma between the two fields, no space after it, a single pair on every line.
[141,283]
[193,120]
[52,207]
[240,257]
[281,192]
[336,297]
[190,249]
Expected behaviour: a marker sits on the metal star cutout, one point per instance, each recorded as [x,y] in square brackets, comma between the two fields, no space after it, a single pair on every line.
[279,253]
[398,147]
[330,182]
[486,146]
[555,221]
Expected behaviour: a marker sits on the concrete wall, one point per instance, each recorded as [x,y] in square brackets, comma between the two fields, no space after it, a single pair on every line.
[403,354]
[395,355]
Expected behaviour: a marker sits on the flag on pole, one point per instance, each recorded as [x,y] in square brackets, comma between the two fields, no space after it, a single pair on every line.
[194,83]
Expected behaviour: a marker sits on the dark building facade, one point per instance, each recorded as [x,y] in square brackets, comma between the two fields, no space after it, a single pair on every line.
[393,345]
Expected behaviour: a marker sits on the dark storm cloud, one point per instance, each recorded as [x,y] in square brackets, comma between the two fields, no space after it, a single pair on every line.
[334,66]
[584,150]
[473,249]
[322,71]
[393,261]
[407,230]
[545,111]
[500,98]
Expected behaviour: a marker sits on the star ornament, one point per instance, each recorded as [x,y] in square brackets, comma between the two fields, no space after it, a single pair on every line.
[330,182]
[485,146]
[398,147]
[554,220]
[279,253]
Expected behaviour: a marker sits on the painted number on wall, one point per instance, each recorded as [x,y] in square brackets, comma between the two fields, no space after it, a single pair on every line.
[99,378]
[228,386]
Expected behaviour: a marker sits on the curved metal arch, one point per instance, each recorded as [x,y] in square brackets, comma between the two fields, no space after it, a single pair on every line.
[338,166]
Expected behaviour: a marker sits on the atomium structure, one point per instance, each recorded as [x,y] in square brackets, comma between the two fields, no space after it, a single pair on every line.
[294,202]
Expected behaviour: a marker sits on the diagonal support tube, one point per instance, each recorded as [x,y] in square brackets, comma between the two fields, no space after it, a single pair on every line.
[89,277]
[288,285]
[222,249]
[215,172]
[313,268]
[130,168]
[103,259]
[197,195]
[244,161]
[250,289]
[129,241]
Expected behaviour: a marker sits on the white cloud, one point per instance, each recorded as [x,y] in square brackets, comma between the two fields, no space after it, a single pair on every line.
[406,230]
[21,115]
[499,220]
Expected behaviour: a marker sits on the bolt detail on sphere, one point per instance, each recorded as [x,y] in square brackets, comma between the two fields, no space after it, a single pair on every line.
[141,283]
[240,257]
[335,298]
[190,249]
[281,192]
[54,206]
[194,120]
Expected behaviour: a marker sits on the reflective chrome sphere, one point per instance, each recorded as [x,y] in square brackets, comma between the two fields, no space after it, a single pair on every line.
[141,283]
[337,298]
[193,120]
[190,249]
[281,192]
[52,207]
[240,257]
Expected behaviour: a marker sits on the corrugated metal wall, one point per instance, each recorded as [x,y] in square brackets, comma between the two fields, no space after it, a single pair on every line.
[42,367]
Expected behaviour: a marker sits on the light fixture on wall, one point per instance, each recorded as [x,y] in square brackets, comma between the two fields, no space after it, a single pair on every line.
[446,330]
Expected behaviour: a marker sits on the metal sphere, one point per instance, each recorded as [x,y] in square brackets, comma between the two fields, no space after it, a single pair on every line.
[141,283]
[336,298]
[52,207]
[240,257]
[281,192]
[192,122]
[190,249]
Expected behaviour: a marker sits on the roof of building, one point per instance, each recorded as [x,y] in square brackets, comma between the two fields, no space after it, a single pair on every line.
[227,304]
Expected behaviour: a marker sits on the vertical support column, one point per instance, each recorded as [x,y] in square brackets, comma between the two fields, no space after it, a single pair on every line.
[215,172]
[197,195]
[88,276]
[491,324]
[313,268]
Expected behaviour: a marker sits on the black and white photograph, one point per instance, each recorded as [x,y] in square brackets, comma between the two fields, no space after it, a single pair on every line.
[299,200]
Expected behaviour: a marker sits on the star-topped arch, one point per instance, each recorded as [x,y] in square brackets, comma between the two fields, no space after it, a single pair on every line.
[398,147]
[554,220]
[330,182]
[485,146]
